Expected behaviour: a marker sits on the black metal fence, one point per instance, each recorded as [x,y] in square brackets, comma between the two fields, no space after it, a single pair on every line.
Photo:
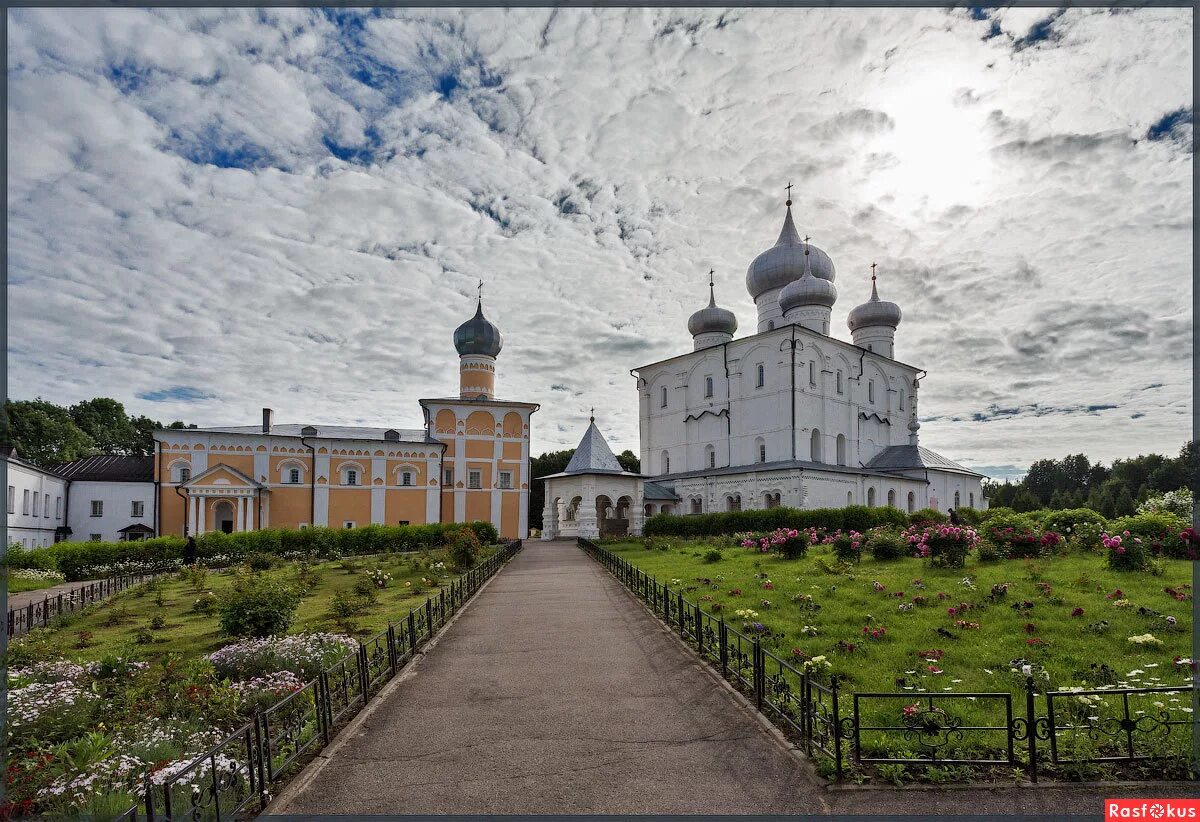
[38,613]
[238,772]
[929,728]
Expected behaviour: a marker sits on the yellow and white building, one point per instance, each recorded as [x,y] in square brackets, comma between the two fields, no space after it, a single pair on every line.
[470,462]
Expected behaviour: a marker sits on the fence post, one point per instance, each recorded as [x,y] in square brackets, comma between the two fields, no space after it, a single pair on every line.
[723,641]
[364,677]
[682,622]
[148,787]
[46,611]
[442,604]
[699,631]
[758,673]
[323,710]
[29,617]
[429,616]
[412,633]
[59,605]
[837,727]
[391,641]
[1030,722]
[261,750]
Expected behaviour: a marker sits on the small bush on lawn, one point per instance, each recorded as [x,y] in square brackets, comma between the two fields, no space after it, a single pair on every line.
[259,561]
[1126,553]
[885,545]
[258,606]
[946,546]
[464,548]
[848,547]
[1014,535]
[1066,521]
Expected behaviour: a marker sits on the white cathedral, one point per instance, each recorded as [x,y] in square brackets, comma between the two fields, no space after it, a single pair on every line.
[788,415]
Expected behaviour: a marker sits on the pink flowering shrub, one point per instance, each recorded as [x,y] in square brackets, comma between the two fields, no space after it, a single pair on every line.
[847,547]
[787,542]
[1125,552]
[946,546]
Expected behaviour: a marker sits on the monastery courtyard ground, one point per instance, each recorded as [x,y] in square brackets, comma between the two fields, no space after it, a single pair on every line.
[556,691]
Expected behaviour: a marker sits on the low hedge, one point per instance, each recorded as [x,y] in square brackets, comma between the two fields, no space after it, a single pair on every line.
[76,560]
[854,517]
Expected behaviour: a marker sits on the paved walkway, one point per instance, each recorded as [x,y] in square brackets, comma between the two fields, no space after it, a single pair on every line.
[22,599]
[555,691]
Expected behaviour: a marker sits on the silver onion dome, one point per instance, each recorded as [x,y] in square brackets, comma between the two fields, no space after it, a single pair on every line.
[808,290]
[874,312]
[784,261]
[712,319]
[478,336]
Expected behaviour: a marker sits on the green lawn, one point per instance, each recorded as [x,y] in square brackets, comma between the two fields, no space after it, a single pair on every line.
[971,659]
[113,625]
[19,585]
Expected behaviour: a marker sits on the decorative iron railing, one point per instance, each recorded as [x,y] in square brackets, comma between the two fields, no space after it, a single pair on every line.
[930,729]
[38,613]
[236,774]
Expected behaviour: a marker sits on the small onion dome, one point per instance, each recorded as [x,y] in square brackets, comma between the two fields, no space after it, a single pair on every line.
[784,262]
[808,290]
[874,312]
[712,319]
[478,336]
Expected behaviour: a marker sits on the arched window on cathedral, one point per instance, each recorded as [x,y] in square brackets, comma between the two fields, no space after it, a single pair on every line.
[760,449]
[663,404]
[697,505]
[812,374]
[708,386]
[839,380]
[870,497]
[912,502]
[849,497]
[971,500]
[841,449]
[710,456]
[762,375]
[294,476]
[892,498]
[666,462]
[733,502]
[815,446]
[956,499]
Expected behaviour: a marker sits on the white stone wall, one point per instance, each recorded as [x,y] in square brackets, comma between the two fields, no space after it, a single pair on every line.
[117,500]
[557,523]
[27,527]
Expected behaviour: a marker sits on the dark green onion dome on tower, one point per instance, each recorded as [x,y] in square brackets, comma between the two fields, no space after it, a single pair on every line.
[478,336]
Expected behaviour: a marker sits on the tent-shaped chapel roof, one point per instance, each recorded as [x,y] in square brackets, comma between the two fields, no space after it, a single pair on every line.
[593,456]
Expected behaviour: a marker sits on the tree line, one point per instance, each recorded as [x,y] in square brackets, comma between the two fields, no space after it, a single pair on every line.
[1114,491]
[46,434]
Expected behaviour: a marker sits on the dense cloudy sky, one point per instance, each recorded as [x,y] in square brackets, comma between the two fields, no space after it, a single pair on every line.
[215,211]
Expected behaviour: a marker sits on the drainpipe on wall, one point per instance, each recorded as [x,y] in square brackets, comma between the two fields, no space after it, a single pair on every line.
[728,409]
[157,483]
[312,485]
[186,512]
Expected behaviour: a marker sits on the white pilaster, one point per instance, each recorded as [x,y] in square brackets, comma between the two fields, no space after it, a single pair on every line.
[378,504]
[239,521]
[192,502]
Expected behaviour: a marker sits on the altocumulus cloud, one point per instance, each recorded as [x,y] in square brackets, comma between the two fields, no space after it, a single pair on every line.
[211,211]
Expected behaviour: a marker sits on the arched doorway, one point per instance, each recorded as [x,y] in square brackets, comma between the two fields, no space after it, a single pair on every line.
[223,517]
[612,520]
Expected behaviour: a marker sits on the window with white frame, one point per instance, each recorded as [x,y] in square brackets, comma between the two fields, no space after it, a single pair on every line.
[474,479]
[448,479]
[762,375]
[58,507]
[506,479]
[37,498]
[25,502]
[293,476]
[812,374]
[871,391]
[406,477]
[761,448]
[710,456]
[137,509]
[46,505]
[663,401]
[12,499]
[708,386]
[839,381]
[97,508]
[348,523]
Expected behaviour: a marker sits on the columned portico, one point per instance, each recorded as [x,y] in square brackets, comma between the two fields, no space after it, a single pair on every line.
[222,498]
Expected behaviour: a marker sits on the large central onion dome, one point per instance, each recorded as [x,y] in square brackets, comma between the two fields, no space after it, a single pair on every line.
[784,262]
[478,336]
[874,313]
[808,290]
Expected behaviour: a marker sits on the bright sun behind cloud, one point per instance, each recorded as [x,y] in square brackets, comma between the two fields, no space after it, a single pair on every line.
[937,153]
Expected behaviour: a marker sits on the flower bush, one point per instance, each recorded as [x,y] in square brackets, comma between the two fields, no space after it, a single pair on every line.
[787,542]
[257,605]
[302,654]
[1161,534]
[885,545]
[847,547]
[1125,552]
[944,545]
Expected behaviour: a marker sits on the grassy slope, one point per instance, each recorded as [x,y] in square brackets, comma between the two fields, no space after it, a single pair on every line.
[192,633]
[1077,581]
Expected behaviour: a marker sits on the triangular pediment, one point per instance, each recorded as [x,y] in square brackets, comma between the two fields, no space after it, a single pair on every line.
[222,475]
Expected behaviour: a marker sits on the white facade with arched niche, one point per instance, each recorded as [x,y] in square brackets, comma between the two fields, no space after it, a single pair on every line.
[791,410]
[594,496]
